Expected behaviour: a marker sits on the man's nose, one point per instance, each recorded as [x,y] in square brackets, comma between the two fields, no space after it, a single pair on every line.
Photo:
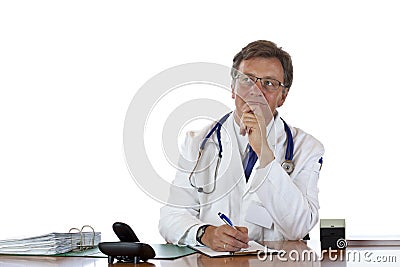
[255,89]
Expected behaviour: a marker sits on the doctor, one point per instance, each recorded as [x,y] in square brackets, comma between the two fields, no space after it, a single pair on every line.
[266,180]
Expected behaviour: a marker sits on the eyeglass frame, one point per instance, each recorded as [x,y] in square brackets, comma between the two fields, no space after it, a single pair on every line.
[257,78]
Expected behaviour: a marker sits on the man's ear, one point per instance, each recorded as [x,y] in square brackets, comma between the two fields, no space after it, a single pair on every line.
[285,92]
[233,91]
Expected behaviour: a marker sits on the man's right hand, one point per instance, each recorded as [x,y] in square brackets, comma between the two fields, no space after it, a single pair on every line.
[225,238]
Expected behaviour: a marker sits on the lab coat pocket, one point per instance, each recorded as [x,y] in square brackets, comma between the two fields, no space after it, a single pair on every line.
[257,214]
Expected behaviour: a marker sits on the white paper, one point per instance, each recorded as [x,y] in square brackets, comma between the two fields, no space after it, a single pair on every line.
[50,244]
[253,248]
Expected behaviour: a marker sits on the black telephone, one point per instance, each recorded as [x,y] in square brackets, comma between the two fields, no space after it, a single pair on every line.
[129,249]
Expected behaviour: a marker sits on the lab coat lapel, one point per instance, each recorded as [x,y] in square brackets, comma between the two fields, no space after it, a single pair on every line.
[231,162]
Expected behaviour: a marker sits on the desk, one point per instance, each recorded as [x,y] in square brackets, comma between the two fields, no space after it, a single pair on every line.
[295,248]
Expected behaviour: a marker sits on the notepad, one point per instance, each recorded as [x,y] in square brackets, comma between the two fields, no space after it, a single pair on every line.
[253,248]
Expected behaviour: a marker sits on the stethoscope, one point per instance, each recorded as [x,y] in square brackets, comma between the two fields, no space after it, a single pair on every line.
[287,165]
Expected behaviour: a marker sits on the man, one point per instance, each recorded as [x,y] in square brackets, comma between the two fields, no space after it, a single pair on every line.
[258,188]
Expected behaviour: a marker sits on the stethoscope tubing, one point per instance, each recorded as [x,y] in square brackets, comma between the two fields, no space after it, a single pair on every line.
[288,164]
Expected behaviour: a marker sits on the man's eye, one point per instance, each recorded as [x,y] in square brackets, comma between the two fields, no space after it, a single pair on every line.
[268,83]
[246,79]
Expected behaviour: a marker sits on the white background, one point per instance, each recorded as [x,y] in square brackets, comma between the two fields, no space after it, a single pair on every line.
[69,69]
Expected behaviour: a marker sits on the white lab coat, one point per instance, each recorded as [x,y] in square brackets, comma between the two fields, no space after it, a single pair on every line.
[272,204]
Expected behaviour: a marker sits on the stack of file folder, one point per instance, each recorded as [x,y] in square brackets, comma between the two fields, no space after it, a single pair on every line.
[50,244]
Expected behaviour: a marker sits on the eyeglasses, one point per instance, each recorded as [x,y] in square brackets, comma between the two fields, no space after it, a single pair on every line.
[267,84]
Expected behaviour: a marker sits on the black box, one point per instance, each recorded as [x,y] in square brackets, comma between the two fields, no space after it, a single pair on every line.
[333,234]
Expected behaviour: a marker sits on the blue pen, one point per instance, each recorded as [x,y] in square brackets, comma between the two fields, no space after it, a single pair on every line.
[226,219]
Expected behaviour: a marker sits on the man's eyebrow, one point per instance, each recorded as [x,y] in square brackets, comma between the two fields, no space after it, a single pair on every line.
[267,77]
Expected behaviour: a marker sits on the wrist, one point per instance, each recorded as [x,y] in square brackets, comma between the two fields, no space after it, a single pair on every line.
[266,157]
[201,232]
[208,236]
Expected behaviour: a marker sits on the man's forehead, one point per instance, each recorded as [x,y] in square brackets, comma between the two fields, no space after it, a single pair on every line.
[262,66]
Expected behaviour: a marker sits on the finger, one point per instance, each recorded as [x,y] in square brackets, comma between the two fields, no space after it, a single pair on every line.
[259,113]
[229,247]
[243,129]
[246,109]
[235,237]
[249,121]
[247,116]
[233,243]
[223,241]
[253,122]
[256,109]
[242,229]
[241,236]
[251,116]
[245,121]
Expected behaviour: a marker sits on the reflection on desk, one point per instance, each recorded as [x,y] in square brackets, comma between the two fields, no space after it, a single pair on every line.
[292,249]
[44,261]
[298,247]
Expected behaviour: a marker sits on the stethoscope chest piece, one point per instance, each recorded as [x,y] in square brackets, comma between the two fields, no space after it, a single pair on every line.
[288,166]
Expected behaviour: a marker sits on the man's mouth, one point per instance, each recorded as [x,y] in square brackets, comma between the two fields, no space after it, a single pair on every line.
[250,103]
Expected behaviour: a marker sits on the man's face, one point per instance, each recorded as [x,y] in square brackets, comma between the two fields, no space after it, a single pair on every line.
[262,68]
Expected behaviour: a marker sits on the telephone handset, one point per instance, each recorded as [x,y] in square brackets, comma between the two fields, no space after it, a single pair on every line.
[129,249]
[124,232]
